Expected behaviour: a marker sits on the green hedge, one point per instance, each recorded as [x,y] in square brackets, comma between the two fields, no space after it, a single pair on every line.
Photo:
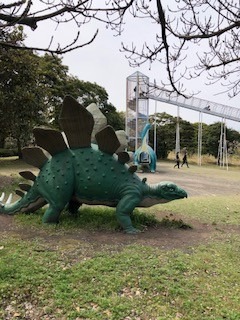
[8,152]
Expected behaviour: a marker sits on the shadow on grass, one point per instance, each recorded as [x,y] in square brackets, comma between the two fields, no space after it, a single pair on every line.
[102,218]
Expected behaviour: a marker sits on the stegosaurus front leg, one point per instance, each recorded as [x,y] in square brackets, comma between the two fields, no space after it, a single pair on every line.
[123,211]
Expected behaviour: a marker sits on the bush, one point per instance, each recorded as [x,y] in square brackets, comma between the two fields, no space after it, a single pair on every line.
[8,152]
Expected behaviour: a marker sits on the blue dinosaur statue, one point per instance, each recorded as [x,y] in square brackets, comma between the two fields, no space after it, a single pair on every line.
[145,155]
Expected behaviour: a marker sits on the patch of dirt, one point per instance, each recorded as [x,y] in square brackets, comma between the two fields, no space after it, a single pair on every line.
[161,237]
[5,181]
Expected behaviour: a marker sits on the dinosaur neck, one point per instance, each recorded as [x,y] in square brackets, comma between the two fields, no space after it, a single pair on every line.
[144,145]
[151,196]
[150,190]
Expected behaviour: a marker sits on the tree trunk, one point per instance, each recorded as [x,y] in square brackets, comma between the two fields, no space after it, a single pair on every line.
[19,147]
[2,143]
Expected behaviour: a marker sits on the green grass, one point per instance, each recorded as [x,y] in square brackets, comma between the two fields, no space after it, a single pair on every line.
[99,218]
[10,166]
[53,276]
[11,184]
[138,282]
[215,210]
[9,174]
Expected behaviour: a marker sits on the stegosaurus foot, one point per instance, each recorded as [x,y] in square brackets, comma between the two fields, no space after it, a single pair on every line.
[132,231]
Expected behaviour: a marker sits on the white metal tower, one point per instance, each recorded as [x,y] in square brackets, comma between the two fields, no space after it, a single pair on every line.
[137,111]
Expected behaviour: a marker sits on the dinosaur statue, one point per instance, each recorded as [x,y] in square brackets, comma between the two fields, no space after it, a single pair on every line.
[145,155]
[74,171]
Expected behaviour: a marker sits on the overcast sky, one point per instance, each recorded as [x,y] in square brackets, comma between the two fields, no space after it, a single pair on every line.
[103,63]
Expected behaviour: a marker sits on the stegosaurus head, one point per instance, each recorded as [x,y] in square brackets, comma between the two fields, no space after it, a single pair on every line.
[170,191]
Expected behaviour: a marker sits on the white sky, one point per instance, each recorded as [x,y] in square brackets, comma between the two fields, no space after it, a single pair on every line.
[103,63]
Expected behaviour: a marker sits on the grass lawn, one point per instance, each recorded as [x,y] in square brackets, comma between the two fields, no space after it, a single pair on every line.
[138,282]
[47,276]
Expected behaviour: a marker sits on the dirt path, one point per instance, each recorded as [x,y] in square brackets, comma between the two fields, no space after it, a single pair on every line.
[197,183]
[161,237]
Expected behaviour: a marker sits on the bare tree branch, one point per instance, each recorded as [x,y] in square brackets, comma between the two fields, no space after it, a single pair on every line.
[60,50]
[206,30]
[11,5]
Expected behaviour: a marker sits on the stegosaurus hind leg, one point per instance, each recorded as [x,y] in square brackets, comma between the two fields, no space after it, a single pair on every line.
[52,214]
[73,207]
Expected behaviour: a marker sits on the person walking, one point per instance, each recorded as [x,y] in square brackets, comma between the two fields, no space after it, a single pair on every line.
[177,161]
[184,161]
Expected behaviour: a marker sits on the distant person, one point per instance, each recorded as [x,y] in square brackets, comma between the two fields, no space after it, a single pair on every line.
[177,159]
[184,160]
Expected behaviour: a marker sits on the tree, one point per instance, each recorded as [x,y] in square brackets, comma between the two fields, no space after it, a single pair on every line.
[21,100]
[187,136]
[208,29]
[57,83]
[86,93]
[53,82]
[166,134]
[204,137]
[32,89]
[114,118]
[212,138]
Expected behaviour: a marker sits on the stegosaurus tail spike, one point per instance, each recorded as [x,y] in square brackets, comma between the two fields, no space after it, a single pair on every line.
[77,123]
[19,193]
[107,140]
[34,156]
[24,186]
[133,168]
[123,157]
[50,140]
[28,175]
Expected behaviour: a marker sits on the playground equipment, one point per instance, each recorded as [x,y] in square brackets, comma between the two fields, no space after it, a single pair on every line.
[140,90]
[145,155]
[137,111]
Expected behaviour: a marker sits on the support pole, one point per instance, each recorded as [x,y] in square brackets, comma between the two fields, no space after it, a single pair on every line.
[200,139]
[177,145]
[137,106]
[225,161]
[222,160]
[220,147]
[155,130]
